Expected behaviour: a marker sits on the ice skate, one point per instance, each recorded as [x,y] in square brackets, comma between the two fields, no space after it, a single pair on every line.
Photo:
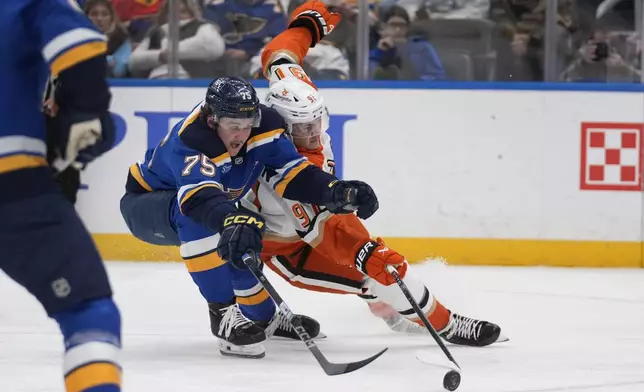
[466,331]
[280,327]
[238,336]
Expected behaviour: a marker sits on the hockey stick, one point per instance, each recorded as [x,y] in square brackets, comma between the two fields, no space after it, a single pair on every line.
[329,368]
[420,314]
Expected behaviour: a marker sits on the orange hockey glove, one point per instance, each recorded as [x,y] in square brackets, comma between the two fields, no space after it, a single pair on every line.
[373,259]
[314,16]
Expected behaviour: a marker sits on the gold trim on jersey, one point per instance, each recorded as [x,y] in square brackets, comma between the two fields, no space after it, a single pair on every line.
[135,171]
[281,185]
[76,55]
[194,190]
[263,138]
[221,159]
[192,117]
[20,161]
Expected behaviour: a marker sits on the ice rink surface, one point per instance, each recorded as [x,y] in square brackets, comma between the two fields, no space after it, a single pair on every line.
[570,329]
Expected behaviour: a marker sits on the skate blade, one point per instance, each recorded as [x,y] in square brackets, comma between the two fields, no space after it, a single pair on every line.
[242,355]
[502,339]
[251,351]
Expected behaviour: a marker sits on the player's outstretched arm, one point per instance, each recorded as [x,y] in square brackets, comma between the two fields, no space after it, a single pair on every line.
[310,184]
[310,23]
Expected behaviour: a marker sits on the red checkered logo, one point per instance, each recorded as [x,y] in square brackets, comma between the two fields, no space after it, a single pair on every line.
[611,156]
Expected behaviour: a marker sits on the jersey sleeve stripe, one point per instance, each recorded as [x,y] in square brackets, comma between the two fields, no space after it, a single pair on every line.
[10,145]
[284,171]
[76,55]
[21,161]
[135,171]
[280,186]
[186,192]
[70,39]
[264,138]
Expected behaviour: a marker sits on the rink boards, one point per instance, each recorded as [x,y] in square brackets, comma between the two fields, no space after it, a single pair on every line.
[477,176]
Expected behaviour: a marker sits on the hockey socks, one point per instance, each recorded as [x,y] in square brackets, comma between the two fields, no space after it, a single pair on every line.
[92,333]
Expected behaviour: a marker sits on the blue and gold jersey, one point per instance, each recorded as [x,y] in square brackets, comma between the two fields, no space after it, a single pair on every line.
[193,160]
[37,38]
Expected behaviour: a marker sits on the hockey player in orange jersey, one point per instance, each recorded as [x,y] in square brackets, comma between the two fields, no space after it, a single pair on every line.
[334,253]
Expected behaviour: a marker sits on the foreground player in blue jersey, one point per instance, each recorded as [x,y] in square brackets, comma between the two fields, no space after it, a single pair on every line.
[45,246]
[189,185]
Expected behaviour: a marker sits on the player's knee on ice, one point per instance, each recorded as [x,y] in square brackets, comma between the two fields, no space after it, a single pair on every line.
[149,216]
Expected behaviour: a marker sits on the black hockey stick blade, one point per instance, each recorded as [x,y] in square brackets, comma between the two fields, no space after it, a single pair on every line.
[331,369]
[421,314]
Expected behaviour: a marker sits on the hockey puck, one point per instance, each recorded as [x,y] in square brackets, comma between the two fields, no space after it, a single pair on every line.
[452,380]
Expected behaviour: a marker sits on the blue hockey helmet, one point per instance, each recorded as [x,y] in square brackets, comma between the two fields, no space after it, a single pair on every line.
[232,97]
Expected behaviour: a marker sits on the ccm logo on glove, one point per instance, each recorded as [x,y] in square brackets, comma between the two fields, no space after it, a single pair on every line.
[245,219]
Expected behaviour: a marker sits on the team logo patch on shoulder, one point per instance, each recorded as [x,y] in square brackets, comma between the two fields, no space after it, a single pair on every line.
[226,168]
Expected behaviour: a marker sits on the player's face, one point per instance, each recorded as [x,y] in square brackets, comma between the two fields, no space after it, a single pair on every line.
[307,135]
[234,132]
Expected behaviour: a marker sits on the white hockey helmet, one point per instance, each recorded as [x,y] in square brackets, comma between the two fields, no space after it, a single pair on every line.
[298,102]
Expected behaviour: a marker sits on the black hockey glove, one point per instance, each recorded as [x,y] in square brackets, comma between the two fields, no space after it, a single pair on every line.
[349,196]
[242,232]
[77,103]
[79,138]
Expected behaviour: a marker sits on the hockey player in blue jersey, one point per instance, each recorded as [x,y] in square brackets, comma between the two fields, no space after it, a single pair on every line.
[45,246]
[189,185]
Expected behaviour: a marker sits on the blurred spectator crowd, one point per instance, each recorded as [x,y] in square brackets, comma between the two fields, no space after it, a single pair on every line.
[431,40]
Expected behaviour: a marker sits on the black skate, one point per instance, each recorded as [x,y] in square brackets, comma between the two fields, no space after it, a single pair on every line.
[238,336]
[279,326]
[467,331]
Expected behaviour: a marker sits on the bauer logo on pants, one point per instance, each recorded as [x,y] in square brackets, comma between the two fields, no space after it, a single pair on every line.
[611,156]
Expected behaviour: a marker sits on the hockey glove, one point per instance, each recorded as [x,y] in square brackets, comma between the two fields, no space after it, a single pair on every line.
[79,138]
[314,16]
[373,259]
[242,232]
[349,196]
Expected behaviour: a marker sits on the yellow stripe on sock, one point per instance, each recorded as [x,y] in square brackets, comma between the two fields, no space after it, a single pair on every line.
[204,263]
[254,299]
[92,375]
